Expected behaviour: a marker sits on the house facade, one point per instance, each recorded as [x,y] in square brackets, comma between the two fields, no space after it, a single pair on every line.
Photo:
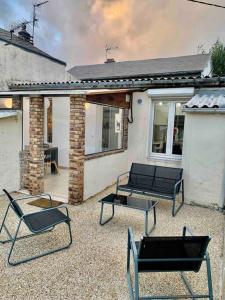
[167,112]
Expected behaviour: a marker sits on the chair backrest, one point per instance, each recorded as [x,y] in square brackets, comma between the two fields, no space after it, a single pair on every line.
[15,205]
[184,247]
[142,175]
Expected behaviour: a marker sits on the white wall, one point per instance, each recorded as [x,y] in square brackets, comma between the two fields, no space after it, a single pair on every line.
[138,134]
[204,158]
[17,64]
[10,146]
[61,128]
[102,172]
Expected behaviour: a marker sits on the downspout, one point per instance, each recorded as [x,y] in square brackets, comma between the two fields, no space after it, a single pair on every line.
[131,119]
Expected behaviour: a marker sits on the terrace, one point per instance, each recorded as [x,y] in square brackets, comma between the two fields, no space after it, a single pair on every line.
[94,267]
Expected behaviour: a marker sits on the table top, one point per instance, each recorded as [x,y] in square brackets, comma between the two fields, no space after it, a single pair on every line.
[129,201]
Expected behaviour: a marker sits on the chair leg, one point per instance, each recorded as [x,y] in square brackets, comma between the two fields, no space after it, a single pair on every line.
[209,277]
[149,231]
[35,256]
[3,224]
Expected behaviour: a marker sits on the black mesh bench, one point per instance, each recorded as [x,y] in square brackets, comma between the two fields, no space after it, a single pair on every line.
[161,182]
[38,222]
[168,254]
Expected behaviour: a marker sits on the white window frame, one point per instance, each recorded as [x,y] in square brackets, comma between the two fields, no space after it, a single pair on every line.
[169,140]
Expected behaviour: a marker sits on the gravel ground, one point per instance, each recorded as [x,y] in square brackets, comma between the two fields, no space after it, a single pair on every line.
[94,267]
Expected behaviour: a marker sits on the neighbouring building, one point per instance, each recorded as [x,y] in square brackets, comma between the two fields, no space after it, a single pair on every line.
[20,61]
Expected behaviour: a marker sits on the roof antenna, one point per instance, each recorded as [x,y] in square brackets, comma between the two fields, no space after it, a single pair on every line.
[35,19]
[108,48]
[18,26]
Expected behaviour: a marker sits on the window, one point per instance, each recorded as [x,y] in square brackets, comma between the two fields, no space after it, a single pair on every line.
[103,128]
[167,129]
[5,103]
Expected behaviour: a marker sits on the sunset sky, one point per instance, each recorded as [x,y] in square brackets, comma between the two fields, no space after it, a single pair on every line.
[77,30]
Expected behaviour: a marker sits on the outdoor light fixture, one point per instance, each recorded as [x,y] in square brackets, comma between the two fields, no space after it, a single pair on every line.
[178,104]
[160,103]
[87,105]
[139,101]
[5,103]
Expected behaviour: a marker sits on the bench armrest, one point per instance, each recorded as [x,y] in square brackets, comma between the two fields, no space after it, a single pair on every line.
[176,184]
[118,178]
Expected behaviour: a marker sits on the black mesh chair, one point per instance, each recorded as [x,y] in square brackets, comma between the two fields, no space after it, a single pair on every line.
[168,254]
[37,222]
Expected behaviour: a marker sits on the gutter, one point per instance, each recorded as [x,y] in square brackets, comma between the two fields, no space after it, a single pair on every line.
[204,110]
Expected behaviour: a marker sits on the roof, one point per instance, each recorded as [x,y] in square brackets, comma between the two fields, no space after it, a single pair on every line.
[19,42]
[126,83]
[7,114]
[192,64]
[207,99]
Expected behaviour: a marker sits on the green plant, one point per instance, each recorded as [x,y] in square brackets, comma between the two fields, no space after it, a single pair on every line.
[218,58]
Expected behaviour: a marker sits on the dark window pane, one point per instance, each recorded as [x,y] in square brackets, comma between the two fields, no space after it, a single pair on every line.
[160,126]
[178,130]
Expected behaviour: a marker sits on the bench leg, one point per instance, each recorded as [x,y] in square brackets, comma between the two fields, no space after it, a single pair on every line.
[149,231]
[174,210]
[101,215]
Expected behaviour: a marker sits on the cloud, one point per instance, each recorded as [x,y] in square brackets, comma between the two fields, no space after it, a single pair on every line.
[77,30]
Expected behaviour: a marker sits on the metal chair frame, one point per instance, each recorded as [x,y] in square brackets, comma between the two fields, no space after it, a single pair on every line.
[15,237]
[134,292]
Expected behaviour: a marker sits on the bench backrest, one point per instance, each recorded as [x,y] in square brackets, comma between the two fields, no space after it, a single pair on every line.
[185,247]
[155,177]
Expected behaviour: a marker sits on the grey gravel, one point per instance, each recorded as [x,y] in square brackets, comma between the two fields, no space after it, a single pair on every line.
[94,267]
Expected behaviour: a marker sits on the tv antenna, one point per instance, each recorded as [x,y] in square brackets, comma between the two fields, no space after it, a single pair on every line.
[108,48]
[17,26]
[35,19]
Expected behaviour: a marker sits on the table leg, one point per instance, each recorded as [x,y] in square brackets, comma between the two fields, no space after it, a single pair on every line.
[101,215]
[148,231]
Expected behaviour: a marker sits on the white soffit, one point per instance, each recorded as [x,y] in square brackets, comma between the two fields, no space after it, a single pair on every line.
[171,92]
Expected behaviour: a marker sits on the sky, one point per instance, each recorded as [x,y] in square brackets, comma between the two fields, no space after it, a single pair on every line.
[77,31]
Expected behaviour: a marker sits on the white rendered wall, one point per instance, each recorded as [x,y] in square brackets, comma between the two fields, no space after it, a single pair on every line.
[10,146]
[102,172]
[139,131]
[204,158]
[61,128]
[20,65]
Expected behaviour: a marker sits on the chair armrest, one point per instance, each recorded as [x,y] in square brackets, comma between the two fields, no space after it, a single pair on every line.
[132,243]
[118,178]
[47,209]
[34,196]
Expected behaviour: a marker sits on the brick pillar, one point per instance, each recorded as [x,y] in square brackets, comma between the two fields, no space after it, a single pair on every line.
[125,128]
[17,102]
[77,148]
[36,150]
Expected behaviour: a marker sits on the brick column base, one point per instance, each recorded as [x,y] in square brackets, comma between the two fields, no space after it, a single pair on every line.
[77,149]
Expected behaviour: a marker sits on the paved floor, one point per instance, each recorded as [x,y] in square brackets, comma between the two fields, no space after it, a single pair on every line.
[57,184]
[94,267]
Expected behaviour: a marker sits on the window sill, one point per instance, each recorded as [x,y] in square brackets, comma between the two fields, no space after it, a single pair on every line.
[101,154]
[166,158]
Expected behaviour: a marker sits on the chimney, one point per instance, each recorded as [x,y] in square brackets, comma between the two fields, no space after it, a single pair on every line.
[110,60]
[24,35]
